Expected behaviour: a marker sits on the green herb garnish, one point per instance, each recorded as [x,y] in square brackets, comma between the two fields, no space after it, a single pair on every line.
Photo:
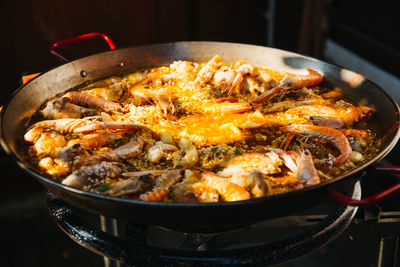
[238,151]
[214,149]
[103,187]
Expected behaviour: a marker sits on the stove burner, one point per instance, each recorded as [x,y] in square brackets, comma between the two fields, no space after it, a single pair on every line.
[270,242]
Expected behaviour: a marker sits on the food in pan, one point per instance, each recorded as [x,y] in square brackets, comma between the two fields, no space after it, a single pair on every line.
[200,132]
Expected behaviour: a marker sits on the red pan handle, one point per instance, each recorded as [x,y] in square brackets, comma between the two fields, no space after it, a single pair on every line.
[53,46]
[372,199]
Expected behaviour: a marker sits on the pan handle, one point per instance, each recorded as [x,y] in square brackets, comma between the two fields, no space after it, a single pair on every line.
[53,46]
[372,199]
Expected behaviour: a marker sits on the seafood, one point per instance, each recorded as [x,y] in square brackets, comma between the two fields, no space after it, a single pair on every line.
[133,185]
[49,143]
[224,78]
[54,166]
[336,137]
[228,191]
[291,82]
[243,69]
[254,182]
[89,100]
[96,140]
[244,164]
[301,166]
[69,153]
[159,150]
[61,108]
[162,187]
[252,85]
[192,190]
[199,132]
[206,73]
[345,117]
[190,154]
[87,124]
[103,169]
[307,171]
[129,150]
[289,104]
[185,70]
[223,107]
[161,98]
[113,93]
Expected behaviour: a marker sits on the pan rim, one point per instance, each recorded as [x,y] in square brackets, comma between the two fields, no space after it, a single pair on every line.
[45,179]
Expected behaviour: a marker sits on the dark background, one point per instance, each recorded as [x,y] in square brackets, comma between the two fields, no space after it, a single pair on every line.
[29,27]
[368,28]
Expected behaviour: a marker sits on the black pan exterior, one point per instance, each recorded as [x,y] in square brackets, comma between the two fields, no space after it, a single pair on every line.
[28,98]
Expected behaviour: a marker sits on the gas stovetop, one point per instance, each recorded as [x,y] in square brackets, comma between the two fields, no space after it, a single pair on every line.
[265,243]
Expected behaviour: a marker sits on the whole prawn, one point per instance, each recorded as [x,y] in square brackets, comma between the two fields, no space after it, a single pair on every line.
[60,125]
[93,101]
[292,81]
[87,124]
[344,118]
[336,137]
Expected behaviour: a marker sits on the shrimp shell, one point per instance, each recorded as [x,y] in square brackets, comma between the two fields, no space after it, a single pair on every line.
[93,101]
[228,190]
[123,152]
[206,73]
[96,140]
[307,171]
[345,117]
[77,126]
[243,69]
[292,81]
[334,136]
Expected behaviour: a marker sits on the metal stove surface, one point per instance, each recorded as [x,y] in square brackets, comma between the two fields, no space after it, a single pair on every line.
[269,242]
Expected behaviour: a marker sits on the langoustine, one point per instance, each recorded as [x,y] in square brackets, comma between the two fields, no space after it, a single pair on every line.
[85,99]
[107,164]
[129,150]
[87,124]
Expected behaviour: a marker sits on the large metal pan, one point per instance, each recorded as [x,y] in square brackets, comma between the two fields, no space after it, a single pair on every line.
[29,97]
